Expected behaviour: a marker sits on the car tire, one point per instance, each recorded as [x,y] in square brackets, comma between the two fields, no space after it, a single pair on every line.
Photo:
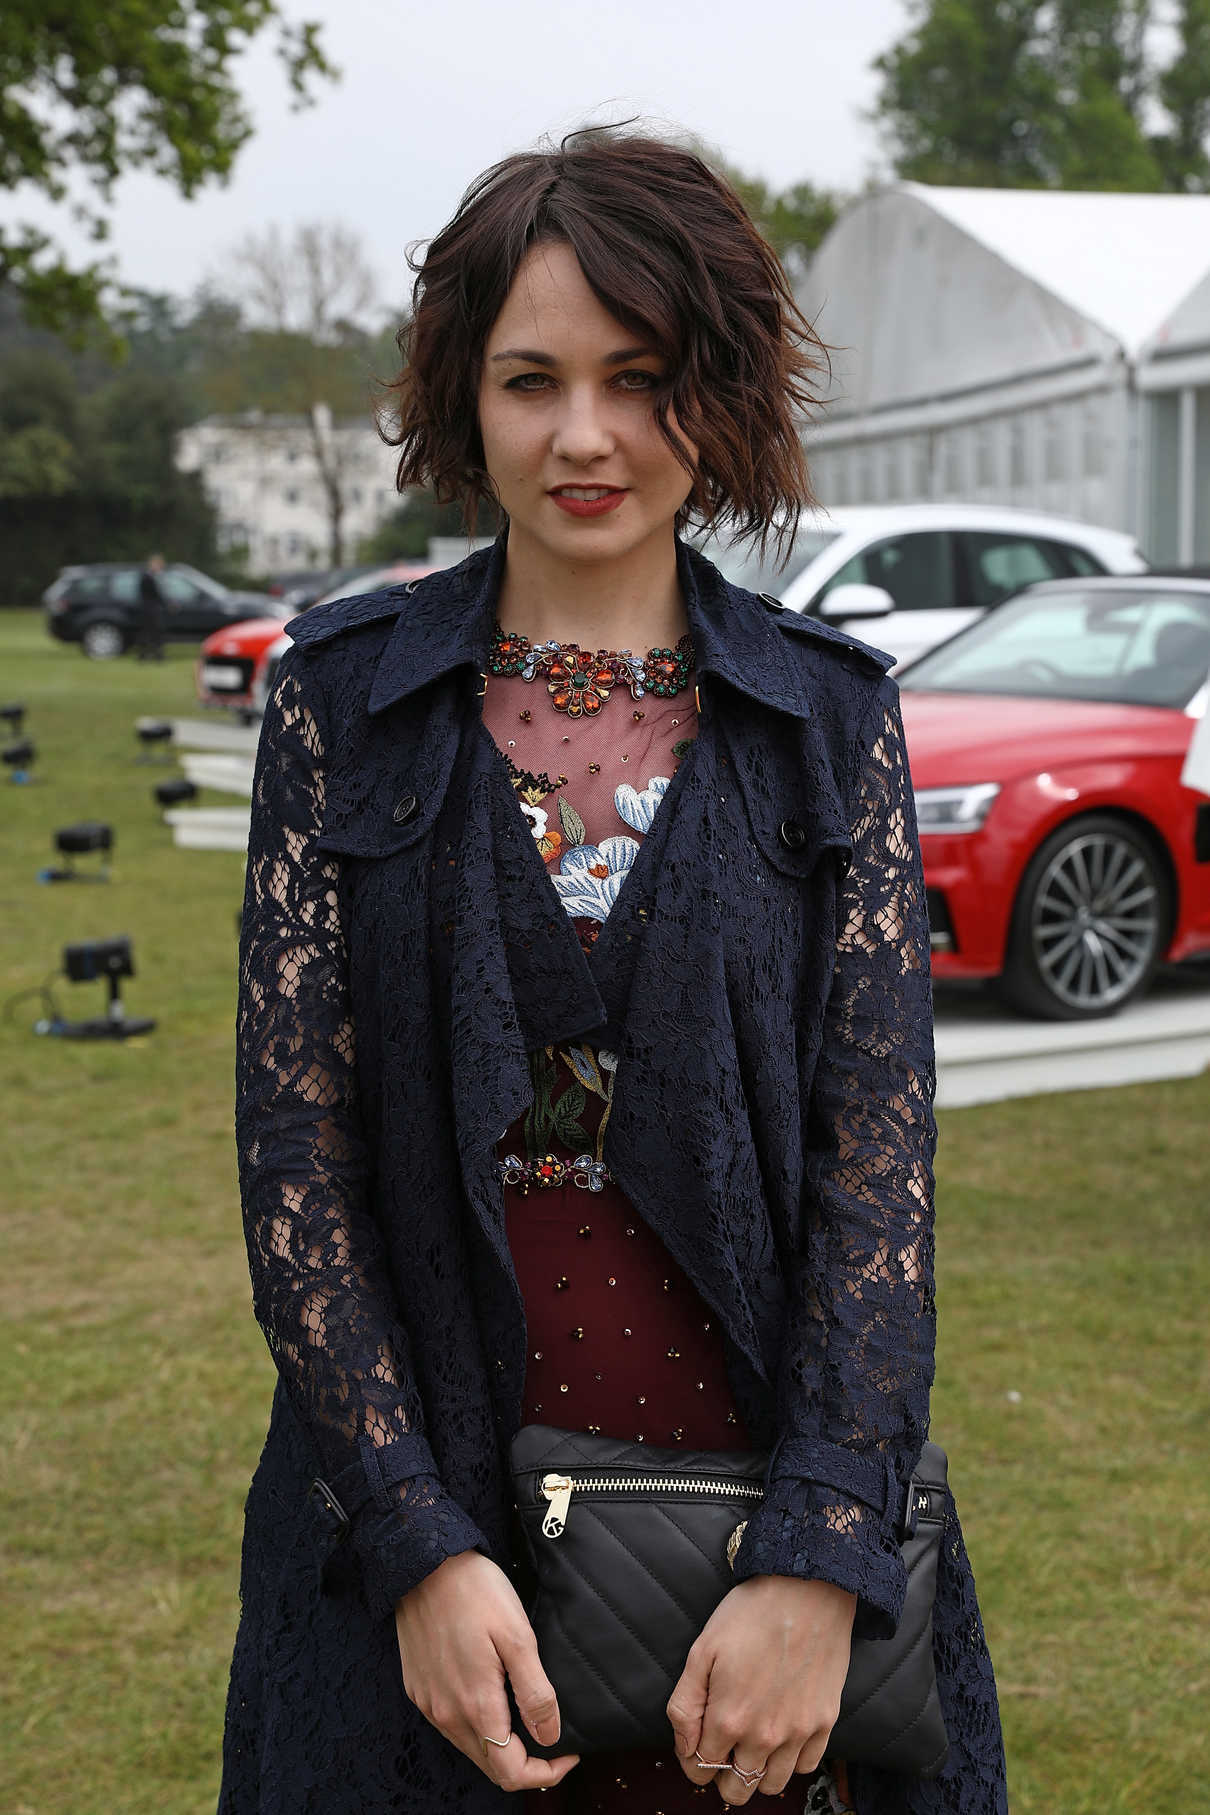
[102,640]
[1091,921]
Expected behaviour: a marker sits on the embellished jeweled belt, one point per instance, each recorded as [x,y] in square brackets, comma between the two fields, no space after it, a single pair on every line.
[548,1172]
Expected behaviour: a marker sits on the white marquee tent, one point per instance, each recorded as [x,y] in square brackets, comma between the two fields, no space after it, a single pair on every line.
[1030,347]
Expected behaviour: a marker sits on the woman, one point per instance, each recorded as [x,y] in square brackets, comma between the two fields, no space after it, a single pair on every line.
[584,1046]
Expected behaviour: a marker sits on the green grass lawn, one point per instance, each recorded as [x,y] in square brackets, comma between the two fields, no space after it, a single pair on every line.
[1073,1372]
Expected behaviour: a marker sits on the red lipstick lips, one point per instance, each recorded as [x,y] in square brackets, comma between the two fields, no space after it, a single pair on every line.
[588,507]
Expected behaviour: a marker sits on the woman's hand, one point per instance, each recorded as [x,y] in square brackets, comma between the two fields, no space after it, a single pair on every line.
[461,1632]
[761,1687]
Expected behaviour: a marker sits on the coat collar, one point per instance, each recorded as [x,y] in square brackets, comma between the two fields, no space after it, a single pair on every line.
[740,638]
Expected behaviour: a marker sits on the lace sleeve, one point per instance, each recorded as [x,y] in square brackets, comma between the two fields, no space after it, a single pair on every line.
[858,1358]
[320,1288]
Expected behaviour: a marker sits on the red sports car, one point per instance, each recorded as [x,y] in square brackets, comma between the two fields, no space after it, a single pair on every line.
[231,662]
[1062,854]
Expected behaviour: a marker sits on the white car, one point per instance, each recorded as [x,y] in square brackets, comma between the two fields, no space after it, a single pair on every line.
[392,574]
[907,576]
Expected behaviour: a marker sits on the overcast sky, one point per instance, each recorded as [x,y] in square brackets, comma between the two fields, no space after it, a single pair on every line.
[431,94]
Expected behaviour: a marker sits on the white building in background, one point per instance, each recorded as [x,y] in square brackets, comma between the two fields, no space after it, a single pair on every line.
[262,475]
[1030,347]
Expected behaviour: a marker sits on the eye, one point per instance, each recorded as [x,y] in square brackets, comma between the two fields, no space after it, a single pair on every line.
[528,381]
[637,380]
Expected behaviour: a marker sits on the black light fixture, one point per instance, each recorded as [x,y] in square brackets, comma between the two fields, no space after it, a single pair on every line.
[19,757]
[86,961]
[13,715]
[155,735]
[78,841]
[172,793]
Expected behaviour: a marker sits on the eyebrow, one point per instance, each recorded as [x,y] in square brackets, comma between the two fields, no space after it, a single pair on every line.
[529,357]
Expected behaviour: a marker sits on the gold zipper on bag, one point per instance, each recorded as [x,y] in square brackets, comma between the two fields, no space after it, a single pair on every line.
[559,1489]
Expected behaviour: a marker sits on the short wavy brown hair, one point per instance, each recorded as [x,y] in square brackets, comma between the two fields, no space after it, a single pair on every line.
[668,248]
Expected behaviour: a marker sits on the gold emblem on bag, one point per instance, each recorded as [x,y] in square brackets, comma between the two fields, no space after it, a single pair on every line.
[734,1542]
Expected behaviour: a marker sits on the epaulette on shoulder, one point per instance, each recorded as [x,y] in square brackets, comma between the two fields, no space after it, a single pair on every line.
[815,629]
[326,621]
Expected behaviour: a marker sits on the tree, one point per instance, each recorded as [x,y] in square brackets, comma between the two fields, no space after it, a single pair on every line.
[1184,91]
[405,534]
[1067,94]
[313,282]
[37,462]
[87,466]
[102,87]
[306,355]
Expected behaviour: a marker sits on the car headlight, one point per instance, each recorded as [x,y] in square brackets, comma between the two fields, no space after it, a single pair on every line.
[955,809]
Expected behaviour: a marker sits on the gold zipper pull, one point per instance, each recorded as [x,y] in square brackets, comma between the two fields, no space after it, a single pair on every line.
[557,1489]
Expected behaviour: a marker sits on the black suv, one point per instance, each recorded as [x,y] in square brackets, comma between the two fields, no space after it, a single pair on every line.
[98,606]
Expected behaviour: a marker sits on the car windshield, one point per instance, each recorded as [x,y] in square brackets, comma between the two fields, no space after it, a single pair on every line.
[214,588]
[743,566]
[1131,648]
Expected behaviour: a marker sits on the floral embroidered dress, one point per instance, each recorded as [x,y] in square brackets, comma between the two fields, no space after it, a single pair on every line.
[619,1339]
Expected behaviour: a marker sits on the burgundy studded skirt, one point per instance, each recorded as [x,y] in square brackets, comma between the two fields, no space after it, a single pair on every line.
[619,1342]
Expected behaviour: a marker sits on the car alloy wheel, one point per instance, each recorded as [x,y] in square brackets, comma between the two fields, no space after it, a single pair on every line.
[1090,924]
[102,641]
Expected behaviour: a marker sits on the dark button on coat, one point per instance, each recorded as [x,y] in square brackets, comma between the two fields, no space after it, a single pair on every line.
[764,980]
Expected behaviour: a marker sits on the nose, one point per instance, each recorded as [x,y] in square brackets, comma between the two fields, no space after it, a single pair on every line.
[582,432]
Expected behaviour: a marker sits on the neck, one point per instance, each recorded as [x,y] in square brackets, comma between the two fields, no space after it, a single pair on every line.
[632,602]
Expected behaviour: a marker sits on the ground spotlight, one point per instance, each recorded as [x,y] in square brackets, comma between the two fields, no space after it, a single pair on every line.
[87,961]
[79,841]
[155,735]
[13,715]
[19,757]
[172,793]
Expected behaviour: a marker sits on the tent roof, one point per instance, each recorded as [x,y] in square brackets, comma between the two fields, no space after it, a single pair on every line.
[1123,261]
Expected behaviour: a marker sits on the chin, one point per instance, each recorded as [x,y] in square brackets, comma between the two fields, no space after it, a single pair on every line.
[602,539]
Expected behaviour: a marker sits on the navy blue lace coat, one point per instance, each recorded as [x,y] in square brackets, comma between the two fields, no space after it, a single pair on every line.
[764,979]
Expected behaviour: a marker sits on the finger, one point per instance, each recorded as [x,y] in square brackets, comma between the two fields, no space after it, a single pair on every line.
[732,1788]
[686,1709]
[537,1703]
[510,1766]
[750,1767]
[810,1756]
[719,1735]
[779,1770]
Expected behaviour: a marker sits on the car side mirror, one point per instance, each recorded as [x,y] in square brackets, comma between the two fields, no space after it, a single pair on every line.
[856,601]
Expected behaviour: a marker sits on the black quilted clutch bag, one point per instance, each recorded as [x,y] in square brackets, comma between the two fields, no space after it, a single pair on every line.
[630,1551]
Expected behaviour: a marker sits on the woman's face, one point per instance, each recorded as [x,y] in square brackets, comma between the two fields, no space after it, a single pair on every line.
[565,412]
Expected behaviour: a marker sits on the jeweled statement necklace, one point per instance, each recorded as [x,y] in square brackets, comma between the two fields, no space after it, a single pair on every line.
[579,682]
